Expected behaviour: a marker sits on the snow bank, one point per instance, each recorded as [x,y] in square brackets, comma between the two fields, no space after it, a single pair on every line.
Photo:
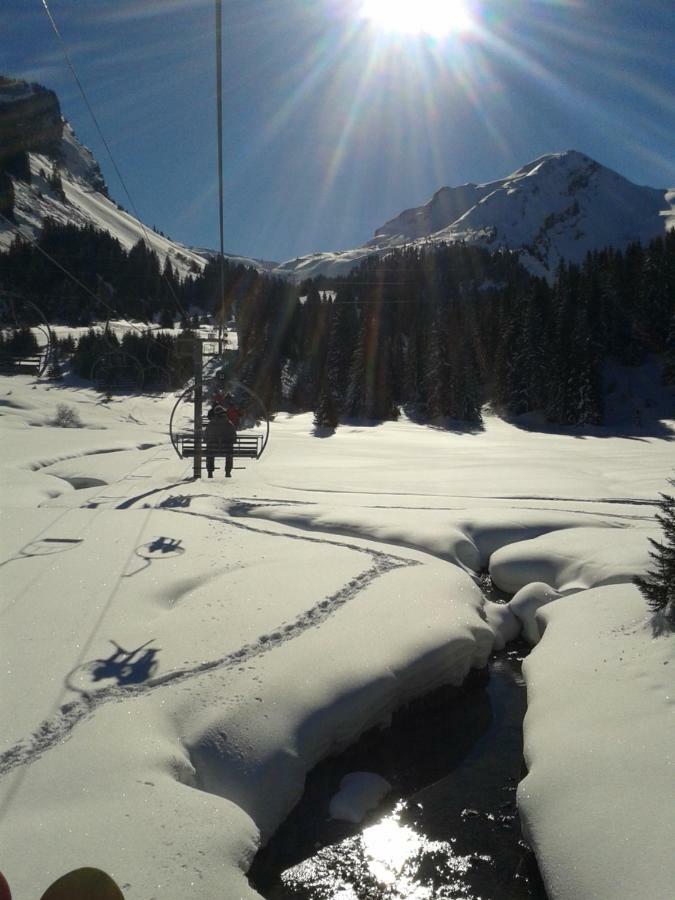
[429,633]
[468,540]
[573,559]
[359,793]
[525,605]
[504,623]
[597,803]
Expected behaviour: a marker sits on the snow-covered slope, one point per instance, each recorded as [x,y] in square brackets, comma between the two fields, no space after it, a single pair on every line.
[86,197]
[279,614]
[558,207]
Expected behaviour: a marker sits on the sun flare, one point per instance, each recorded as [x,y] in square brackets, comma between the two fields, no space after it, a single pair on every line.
[434,17]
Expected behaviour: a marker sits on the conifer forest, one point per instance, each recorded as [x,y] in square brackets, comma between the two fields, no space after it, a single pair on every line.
[437,331]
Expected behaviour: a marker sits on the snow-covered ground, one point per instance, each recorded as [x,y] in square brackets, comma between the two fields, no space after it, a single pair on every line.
[278,615]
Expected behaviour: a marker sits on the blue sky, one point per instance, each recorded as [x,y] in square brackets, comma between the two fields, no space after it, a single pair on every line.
[334,124]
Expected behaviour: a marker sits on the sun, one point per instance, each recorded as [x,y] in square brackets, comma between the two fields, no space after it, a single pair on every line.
[433,17]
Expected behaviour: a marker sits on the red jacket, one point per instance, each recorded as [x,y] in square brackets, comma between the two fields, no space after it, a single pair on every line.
[232,414]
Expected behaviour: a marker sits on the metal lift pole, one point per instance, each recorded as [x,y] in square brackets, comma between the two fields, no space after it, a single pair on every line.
[219,111]
[198,389]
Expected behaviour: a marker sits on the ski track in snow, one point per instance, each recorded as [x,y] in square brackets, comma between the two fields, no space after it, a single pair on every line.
[55,730]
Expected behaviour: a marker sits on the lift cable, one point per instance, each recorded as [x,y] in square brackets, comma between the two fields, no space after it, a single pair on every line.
[219,107]
[106,145]
[74,278]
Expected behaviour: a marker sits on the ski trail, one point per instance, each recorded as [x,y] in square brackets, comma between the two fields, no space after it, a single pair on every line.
[56,729]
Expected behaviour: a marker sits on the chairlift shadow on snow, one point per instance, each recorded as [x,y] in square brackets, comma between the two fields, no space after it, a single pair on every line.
[131,501]
[160,548]
[43,547]
[177,501]
[125,667]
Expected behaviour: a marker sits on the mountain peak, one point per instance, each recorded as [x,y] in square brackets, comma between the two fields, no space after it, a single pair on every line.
[560,205]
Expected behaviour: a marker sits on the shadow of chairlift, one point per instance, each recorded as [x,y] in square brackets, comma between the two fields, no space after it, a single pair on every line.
[43,547]
[126,666]
[160,548]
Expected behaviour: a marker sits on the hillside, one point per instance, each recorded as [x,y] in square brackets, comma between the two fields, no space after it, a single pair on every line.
[66,183]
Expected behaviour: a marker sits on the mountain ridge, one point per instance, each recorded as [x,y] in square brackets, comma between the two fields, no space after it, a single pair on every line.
[66,183]
[557,207]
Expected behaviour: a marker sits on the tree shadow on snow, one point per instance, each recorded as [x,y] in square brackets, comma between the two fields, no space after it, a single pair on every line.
[323,431]
[445,423]
[638,431]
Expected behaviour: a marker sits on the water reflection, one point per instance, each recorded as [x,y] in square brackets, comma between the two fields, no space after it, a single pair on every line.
[455,762]
[389,860]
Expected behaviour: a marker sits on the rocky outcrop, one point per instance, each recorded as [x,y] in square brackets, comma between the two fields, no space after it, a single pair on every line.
[30,119]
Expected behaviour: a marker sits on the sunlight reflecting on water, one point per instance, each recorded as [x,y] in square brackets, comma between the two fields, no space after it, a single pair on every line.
[388,860]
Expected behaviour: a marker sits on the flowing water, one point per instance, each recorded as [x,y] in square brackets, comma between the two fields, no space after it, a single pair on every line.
[449,828]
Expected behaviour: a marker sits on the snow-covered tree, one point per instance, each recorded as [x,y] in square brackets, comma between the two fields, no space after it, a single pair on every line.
[658,586]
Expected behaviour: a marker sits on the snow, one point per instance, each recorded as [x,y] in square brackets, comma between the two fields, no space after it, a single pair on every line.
[270,619]
[86,206]
[359,793]
[669,212]
[573,559]
[599,734]
[559,206]
[526,603]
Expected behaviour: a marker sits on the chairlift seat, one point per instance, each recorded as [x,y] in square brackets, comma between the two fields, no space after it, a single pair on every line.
[245,445]
[20,365]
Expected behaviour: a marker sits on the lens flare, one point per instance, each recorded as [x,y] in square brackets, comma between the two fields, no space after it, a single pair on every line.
[433,17]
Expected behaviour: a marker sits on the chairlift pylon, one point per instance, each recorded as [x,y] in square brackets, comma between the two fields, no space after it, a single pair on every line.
[17,314]
[117,370]
[218,374]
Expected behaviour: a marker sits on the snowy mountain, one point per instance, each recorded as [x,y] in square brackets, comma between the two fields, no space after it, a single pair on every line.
[558,207]
[66,183]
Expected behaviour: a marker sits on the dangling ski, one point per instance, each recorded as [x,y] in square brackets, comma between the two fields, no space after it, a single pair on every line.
[5,893]
[83,884]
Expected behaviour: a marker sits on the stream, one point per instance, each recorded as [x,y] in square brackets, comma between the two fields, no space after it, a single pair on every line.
[448,829]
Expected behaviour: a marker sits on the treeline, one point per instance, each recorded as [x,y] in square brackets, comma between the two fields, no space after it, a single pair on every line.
[551,342]
[439,332]
[436,331]
[141,359]
[113,281]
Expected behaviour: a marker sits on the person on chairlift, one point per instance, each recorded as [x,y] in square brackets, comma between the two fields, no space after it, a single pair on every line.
[220,434]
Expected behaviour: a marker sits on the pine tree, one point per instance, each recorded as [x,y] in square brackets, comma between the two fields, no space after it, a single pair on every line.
[669,357]
[466,380]
[336,366]
[355,398]
[326,412]
[6,196]
[18,165]
[658,587]
[56,184]
[437,401]
[54,368]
